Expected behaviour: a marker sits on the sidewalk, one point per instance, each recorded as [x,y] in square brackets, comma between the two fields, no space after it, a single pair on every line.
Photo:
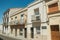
[8,37]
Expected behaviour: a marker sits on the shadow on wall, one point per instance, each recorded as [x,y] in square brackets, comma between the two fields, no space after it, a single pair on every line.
[1,39]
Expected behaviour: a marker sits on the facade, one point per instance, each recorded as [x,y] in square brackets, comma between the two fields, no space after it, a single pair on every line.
[18,22]
[53,12]
[13,20]
[5,21]
[38,21]
[1,28]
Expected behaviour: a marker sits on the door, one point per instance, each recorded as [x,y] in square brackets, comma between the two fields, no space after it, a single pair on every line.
[25,32]
[32,32]
[55,32]
[15,31]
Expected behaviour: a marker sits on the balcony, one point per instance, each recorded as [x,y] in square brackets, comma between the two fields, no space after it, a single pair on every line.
[35,18]
[5,23]
[11,23]
[22,21]
[16,22]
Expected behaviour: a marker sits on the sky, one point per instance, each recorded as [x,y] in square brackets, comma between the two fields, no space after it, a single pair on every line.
[6,4]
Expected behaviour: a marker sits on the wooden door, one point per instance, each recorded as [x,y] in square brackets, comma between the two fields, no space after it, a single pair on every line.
[55,32]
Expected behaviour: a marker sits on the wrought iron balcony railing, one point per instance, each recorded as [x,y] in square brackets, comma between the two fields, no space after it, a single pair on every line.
[16,22]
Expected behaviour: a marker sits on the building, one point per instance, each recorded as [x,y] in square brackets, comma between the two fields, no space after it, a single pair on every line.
[6,19]
[18,22]
[1,28]
[38,21]
[53,11]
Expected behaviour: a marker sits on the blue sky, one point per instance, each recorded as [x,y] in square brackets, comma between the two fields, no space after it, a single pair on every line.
[5,4]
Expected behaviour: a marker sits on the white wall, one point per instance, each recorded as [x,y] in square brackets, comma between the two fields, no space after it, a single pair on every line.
[1,28]
[42,10]
[43,17]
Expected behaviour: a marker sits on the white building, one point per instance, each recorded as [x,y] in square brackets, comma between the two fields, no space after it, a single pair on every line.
[37,21]
[42,21]
[1,28]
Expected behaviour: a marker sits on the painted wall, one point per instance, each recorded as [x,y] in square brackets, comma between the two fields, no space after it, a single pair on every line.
[43,18]
[1,28]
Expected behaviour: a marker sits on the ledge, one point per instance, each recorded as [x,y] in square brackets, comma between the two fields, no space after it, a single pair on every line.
[54,12]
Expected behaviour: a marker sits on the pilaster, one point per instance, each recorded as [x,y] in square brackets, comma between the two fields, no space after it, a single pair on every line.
[59,4]
[17,32]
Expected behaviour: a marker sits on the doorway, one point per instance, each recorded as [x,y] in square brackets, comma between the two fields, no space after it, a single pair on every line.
[55,35]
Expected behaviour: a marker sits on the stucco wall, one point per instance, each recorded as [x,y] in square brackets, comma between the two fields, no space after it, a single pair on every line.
[1,28]
[54,19]
[43,18]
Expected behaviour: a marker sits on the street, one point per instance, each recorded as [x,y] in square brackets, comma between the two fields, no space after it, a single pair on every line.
[2,37]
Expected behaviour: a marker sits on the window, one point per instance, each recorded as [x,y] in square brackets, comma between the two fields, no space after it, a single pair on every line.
[21,31]
[53,7]
[22,15]
[36,11]
[16,17]
[11,18]
[44,27]
[38,30]
[37,17]
[54,27]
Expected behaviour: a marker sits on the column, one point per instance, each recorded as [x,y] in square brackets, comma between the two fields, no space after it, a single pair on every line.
[47,8]
[13,32]
[59,4]
[44,20]
[34,32]
[28,33]
[49,32]
[9,30]
[23,34]
[4,29]
[18,32]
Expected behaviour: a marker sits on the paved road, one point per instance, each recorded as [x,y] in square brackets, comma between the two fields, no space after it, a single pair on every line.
[2,37]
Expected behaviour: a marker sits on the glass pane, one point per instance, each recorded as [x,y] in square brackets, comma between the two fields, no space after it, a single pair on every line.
[44,27]
[36,11]
[38,30]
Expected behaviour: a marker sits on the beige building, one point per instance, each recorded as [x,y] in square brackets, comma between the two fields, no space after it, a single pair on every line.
[18,22]
[38,21]
[53,11]
[6,19]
